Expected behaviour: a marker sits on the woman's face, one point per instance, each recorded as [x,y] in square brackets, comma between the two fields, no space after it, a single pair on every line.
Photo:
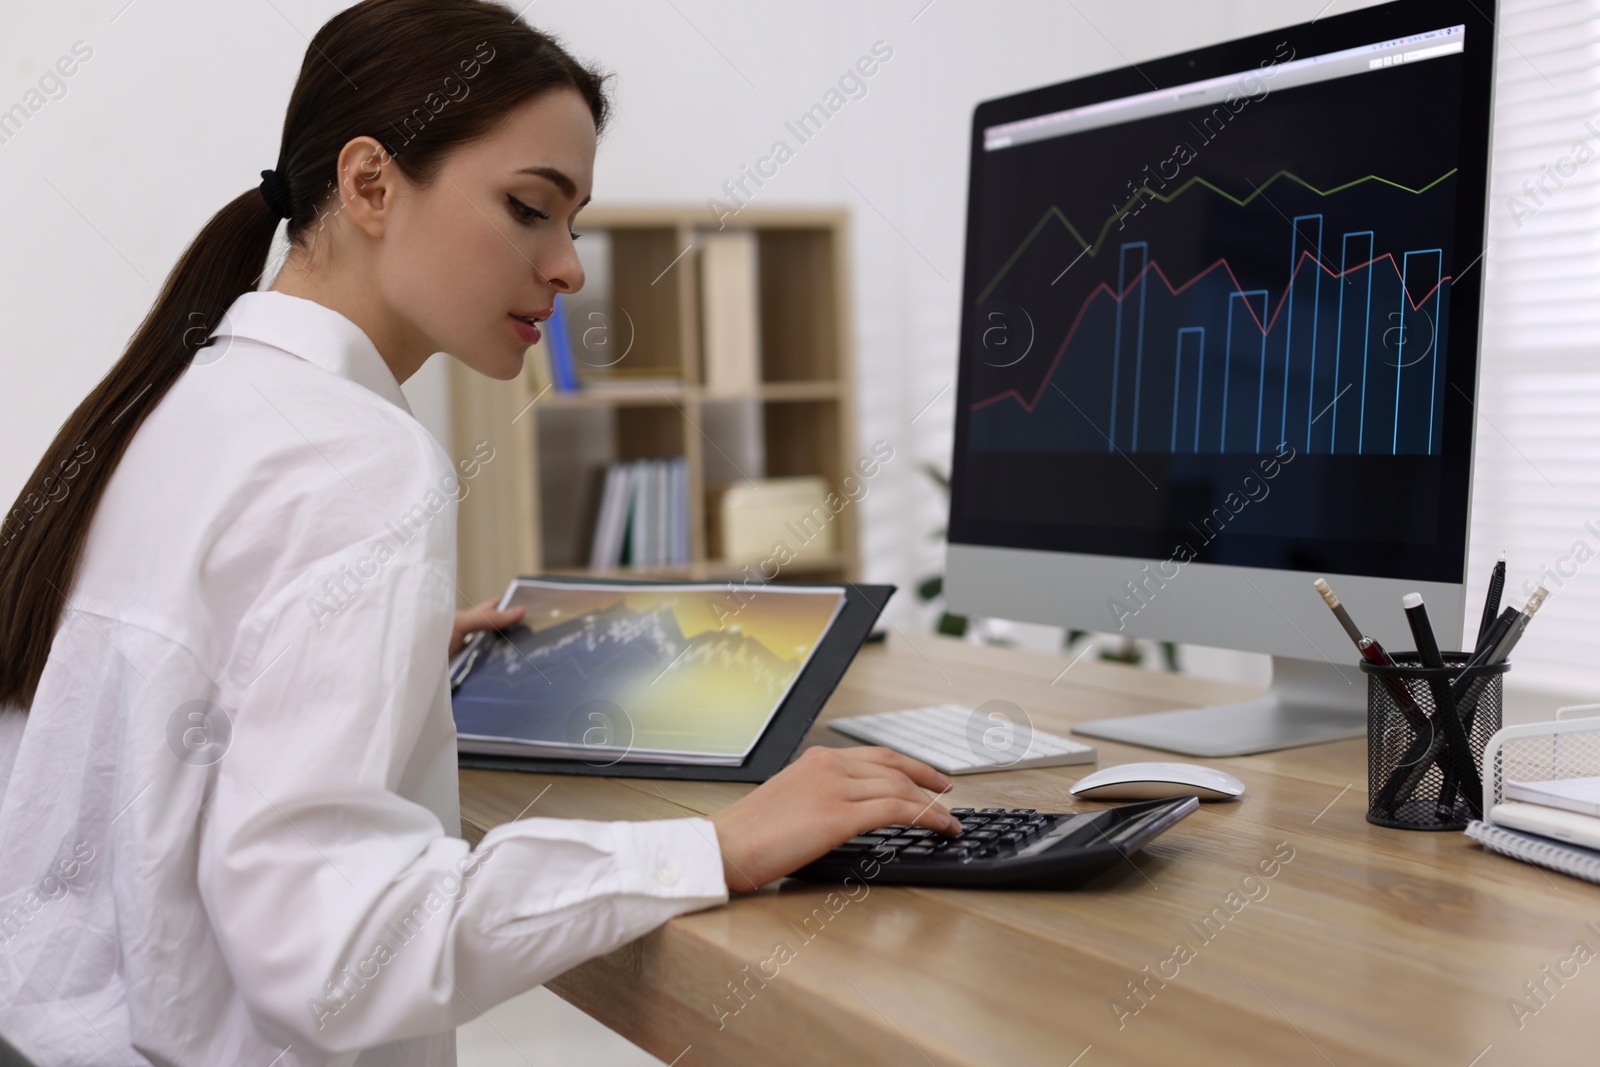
[491,237]
[444,269]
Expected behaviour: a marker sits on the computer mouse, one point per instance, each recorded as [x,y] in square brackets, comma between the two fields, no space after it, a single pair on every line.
[1157,781]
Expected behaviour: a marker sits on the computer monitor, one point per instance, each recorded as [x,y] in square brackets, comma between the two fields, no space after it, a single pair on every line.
[1219,338]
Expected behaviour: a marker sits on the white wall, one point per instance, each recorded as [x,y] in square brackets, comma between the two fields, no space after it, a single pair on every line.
[181,106]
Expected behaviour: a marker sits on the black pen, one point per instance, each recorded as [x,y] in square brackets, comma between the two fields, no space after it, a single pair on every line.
[1516,622]
[1464,698]
[1491,601]
[1455,735]
[1525,616]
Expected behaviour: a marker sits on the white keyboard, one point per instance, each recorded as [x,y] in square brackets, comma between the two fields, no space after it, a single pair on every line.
[957,739]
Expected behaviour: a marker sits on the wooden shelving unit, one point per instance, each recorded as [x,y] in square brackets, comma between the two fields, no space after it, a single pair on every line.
[530,509]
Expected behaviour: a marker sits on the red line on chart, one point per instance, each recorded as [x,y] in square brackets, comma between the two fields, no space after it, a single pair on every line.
[1029,405]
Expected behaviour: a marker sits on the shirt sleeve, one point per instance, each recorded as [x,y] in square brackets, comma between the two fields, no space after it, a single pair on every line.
[348,916]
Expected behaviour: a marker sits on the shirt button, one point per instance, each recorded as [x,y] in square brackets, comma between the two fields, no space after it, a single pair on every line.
[667,876]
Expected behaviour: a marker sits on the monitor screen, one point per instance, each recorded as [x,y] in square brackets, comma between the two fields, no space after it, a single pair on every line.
[1223,307]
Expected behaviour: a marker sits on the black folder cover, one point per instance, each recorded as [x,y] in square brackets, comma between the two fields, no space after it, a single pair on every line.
[862,606]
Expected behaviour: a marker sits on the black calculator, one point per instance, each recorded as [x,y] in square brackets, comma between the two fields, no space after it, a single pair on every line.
[1002,848]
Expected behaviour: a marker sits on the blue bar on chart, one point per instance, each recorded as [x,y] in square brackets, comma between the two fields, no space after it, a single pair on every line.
[1343,358]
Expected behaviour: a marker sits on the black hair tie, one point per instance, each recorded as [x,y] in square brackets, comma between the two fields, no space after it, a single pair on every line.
[276,194]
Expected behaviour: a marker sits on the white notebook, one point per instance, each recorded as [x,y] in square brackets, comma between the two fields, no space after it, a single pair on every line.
[1574,794]
[1567,827]
[1531,848]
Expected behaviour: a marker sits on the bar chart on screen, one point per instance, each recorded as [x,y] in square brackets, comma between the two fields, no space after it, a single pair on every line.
[1309,316]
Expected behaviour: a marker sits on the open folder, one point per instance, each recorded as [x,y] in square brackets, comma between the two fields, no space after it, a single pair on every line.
[606,674]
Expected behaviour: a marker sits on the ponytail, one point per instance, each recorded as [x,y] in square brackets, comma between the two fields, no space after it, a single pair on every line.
[43,534]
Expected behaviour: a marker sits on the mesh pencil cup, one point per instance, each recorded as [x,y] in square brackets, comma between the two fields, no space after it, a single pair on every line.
[1408,749]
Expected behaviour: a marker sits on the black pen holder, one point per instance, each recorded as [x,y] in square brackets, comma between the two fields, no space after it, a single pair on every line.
[1408,743]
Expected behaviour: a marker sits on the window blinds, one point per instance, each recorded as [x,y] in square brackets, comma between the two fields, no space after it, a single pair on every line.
[1536,493]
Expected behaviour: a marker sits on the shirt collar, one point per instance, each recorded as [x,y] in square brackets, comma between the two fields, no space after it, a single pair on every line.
[315,333]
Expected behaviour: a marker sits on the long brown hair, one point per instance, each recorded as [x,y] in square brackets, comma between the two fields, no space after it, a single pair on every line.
[419,76]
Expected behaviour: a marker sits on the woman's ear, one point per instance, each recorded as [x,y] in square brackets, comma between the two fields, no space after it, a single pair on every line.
[368,183]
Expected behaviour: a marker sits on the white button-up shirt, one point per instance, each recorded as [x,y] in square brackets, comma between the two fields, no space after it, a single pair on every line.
[228,823]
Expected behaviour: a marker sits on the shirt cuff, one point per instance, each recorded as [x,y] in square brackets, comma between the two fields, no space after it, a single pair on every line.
[661,859]
[673,858]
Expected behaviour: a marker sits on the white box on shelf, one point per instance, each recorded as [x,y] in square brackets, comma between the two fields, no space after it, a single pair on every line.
[794,511]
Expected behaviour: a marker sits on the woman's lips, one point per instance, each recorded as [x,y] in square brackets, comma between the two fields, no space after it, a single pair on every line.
[525,330]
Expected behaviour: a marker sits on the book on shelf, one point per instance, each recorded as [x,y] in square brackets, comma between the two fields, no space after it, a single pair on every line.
[635,550]
[661,548]
[730,312]
[608,526]
[679,537]
[635,673]
[562,371]
[643,517]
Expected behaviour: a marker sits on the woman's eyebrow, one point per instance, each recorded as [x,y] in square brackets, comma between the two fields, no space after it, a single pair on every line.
[567,186]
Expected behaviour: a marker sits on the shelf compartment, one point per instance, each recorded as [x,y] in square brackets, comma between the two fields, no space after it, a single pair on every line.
[650,294]
[800,313]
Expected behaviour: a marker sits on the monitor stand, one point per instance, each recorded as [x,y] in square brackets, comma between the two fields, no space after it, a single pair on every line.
[1309,702]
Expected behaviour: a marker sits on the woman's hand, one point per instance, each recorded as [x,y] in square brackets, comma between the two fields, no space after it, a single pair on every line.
[482,617]
[823,799]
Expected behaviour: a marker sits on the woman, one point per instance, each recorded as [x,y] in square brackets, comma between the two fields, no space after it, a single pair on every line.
[228,813]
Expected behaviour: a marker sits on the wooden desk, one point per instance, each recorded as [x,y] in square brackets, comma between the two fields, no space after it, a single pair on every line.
[1368,946]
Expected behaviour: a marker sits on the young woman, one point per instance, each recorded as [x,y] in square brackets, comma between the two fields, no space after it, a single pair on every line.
[228,789]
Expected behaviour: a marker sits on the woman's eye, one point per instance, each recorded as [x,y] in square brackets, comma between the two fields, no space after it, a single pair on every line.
[525,214]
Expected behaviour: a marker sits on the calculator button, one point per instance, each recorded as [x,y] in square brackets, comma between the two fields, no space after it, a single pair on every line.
[918,832]
[898,841]
[915,850]
[981,835]
[1023,811]
[960,812]
[991,811]
[1013,838]
[882,833]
